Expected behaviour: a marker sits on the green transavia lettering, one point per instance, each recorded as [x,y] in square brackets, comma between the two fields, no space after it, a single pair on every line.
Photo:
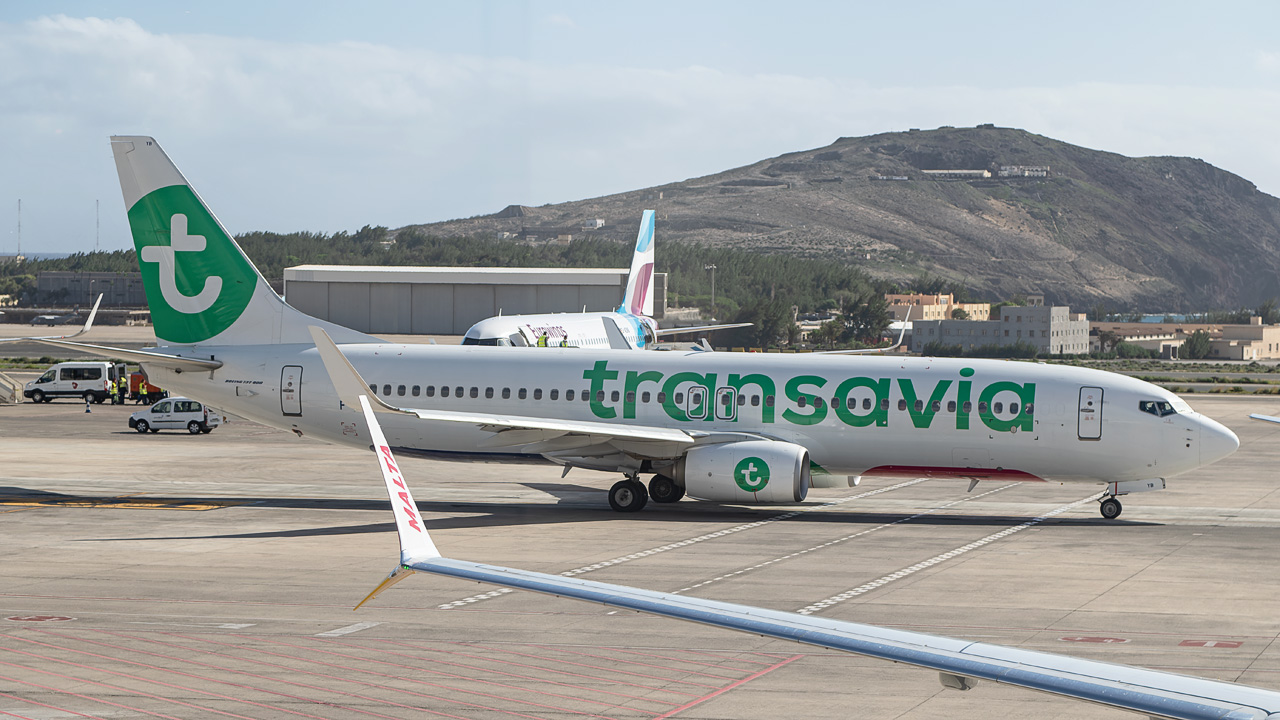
[1001,406]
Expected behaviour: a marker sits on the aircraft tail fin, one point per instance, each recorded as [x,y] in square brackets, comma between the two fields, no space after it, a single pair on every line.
[638,299]
[201,287]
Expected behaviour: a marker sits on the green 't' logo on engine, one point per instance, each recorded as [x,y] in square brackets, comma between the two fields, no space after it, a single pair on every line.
[751,474]
[197,282]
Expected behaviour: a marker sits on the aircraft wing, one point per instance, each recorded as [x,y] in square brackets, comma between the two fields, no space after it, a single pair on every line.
[699,328]
[1265,418]
[176,362]
[510,429]
[88,325]
[959,663]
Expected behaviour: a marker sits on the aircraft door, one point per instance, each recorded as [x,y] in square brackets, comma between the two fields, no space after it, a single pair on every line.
[1090,417]
[696,403]
[726,403]
[291,390]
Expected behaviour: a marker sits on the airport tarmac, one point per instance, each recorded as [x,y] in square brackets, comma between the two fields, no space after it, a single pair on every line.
[171,575]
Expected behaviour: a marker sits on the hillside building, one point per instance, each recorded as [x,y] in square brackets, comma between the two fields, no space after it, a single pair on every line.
[932,307]
[1051,330]
[957,174]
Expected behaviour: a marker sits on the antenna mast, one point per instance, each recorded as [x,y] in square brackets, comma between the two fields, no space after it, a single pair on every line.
[19,226]
[97,224]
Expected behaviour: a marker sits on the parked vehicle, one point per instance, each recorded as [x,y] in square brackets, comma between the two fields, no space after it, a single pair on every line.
[177,413]
[82,380]
[152,394]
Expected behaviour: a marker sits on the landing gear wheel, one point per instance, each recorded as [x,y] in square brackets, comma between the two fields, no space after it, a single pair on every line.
[142,426]
[628,496]
[1110,508]
[663,490]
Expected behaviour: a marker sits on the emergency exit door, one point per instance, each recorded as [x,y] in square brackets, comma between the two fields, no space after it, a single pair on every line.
[291,390]
[1090,415]
[696,403]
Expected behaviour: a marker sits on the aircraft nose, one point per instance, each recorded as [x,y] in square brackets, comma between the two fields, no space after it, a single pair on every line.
[1216,441]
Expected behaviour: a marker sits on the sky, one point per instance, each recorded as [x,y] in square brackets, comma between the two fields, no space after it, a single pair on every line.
[324,116]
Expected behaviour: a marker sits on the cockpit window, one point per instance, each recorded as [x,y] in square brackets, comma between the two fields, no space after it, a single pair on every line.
[1159,408]
[483,341]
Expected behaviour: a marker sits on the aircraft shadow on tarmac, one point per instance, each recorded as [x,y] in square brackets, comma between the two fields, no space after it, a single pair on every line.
[508,514]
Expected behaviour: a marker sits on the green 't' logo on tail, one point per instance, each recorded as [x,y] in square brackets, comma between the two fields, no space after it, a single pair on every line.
[196,279]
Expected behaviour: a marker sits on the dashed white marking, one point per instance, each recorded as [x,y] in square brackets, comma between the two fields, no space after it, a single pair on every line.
[685,543]
[220,626]
[880,582]
[348,629]
[837,541]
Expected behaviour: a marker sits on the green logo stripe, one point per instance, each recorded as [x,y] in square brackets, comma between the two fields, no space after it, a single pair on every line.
[196,280]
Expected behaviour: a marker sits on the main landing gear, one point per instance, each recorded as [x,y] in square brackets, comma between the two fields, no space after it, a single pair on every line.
[664,490]
[628,495]
[1110,507]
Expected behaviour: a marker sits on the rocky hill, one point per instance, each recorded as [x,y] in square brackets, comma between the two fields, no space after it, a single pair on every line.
[1156,233]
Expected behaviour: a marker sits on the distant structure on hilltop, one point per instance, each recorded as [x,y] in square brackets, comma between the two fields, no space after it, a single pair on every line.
[932,307]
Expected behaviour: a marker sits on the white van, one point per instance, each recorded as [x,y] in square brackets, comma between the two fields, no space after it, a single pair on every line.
[81,380]
[177,413]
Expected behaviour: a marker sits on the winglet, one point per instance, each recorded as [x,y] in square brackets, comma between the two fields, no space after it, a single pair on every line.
[88,325]
[415,542]
[346,379]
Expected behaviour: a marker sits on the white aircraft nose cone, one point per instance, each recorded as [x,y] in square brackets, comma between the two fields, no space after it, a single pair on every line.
[1216,441]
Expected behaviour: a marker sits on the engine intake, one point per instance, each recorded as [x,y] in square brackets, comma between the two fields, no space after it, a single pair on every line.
[763,472]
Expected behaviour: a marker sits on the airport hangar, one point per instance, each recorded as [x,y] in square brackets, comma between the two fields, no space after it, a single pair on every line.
[448,300]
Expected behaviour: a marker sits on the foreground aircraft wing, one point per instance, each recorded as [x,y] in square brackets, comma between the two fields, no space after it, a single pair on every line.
[509,428]
[88,325]
[1265,418]
[177,362]
[959,663]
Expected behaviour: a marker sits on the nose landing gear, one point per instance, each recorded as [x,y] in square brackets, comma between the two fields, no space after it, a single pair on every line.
[1110,507]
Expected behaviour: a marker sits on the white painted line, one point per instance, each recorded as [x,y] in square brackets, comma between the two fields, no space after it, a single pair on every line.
[349,629]
[685,543]
[880,582]
[220,626]
[837,541]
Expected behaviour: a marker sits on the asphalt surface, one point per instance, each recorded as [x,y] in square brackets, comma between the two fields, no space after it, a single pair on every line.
[213,576]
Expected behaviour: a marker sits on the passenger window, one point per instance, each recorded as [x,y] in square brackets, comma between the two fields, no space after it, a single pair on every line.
[475,392]
[488,393]
[613,396]
[386,390]
[457,391]
[999,408]
[801,402]
[506,393]
[1028,409]
[936,406]
[902,404]
[835,402]
[631,396]
[522,394]
[866,403]
[400,390]
[568,394]
[884,404]
[768,401]
[644,396]
[951,406]
[1013,408]
[679,398]
[662,397]
[444,391]
[372,388]
[161,408]
[431,391]
[416,391]
[555,394]
[599,396]
[817,402]
[919,406]
[968,406]
[982,407]
[586,395]
[755,401]
[742,400]
[537,393]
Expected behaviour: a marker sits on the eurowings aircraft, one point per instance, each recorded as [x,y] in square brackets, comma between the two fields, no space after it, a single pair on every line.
[728,427]
[629,327]
[960,664]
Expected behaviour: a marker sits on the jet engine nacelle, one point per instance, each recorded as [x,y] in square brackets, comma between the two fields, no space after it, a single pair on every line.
[753,471]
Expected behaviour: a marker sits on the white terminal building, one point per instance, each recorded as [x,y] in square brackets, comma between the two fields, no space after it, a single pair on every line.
[448,300]
[1051,330]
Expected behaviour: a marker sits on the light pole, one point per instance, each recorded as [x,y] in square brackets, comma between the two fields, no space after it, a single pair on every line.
[712,268]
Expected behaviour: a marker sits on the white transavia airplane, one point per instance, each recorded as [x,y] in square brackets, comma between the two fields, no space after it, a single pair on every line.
[730,427]
[630,327]
[959,663]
